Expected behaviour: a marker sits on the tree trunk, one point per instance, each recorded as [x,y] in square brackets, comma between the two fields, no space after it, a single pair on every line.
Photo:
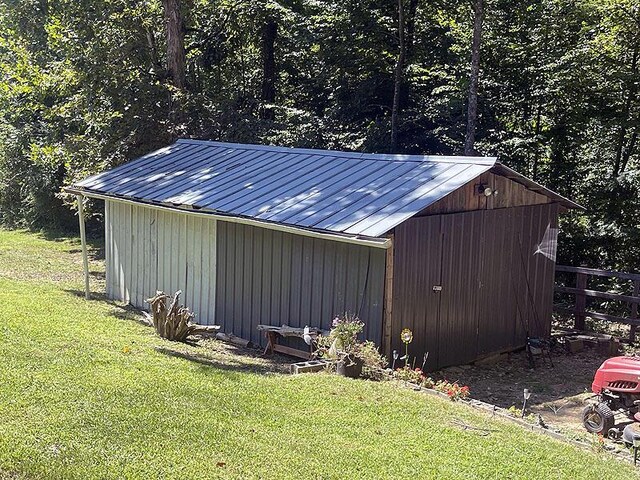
[397,83]
[174,323]
[537,130]
[411,29]
[472,108]
[269,35]
[176,59]
[624,150]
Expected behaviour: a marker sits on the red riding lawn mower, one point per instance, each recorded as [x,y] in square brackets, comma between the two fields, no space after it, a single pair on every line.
[617,385]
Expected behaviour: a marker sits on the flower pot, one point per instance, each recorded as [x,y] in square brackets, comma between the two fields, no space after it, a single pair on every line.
[348,367]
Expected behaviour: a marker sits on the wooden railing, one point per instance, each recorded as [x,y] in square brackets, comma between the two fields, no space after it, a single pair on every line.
[581,292]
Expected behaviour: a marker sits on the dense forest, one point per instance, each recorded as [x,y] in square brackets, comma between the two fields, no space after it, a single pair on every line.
[552,89]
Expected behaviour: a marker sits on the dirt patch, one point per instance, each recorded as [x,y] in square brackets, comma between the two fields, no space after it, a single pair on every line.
[558,392]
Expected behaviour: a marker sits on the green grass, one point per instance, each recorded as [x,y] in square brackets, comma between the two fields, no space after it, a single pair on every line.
[86,392]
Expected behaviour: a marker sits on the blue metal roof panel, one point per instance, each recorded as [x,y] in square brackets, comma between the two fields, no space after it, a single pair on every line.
[342,192]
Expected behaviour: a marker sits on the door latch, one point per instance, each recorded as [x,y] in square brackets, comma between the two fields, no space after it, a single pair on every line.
[437,288]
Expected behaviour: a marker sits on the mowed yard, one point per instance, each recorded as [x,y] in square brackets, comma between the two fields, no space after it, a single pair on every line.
[86,392]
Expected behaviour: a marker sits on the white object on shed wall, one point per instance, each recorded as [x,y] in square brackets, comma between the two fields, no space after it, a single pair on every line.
[148,250]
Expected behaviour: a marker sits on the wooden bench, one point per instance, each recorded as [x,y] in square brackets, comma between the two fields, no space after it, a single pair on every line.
[273,334]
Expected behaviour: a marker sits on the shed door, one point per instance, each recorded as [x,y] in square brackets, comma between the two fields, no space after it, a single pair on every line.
[416,305]
[436,292]
[461,265]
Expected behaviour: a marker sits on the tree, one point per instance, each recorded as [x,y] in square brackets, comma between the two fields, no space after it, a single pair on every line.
[89,84]
[398,76]
[269,34]
[472,107]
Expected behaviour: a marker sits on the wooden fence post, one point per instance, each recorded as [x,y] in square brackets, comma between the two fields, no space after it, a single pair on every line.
[581,301]
[634,312]
[83,239]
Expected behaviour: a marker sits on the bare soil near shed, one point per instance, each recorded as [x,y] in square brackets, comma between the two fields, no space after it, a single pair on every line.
[559,391]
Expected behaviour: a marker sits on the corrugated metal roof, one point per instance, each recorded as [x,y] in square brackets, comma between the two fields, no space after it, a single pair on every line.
[342,192]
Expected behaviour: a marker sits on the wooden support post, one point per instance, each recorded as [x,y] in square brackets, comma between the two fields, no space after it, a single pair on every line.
[83,239]
[388,300]
[581,301]
[634,312]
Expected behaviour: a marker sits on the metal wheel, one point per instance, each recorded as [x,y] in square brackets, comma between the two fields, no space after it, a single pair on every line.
[598,418]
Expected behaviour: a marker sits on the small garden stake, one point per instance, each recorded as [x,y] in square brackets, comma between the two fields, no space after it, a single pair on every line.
[526,394]
[395,357]
[406,336]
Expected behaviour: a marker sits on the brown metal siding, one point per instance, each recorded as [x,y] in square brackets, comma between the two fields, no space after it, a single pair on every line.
[460,280]
[271,277]
[417,253]
[494,286]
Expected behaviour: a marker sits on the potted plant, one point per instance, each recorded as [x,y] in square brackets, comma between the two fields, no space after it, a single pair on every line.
[343,347]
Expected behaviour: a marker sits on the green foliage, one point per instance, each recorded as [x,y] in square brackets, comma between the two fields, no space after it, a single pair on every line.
[84,87]
[342,344]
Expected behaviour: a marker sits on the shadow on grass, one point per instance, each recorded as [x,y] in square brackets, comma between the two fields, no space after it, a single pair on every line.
[236,360]
[95,241]
[231,358]
[99,296]
[98,275]
[121,311]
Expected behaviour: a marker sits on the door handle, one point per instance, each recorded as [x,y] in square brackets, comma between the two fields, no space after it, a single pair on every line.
[437,288]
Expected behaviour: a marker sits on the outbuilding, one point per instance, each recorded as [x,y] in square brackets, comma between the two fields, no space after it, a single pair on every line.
[461,250]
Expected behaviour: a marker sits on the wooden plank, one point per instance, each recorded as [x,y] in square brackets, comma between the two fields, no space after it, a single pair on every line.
[581,300]
[600,273]
[598,316]
[388,301]
[598,294]
[294,352]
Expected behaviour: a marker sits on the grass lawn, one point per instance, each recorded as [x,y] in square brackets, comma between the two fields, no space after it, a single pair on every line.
[86,392]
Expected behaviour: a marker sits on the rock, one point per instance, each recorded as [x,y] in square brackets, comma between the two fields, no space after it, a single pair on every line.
[608,348]
[575,345]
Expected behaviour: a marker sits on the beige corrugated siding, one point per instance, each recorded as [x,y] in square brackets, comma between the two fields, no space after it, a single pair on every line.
[148,250]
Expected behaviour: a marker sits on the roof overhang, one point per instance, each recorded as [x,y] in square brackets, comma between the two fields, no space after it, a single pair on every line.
[506,172]
[375,242]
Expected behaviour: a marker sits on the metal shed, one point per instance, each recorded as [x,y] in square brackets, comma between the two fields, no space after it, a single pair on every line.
[459,249]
